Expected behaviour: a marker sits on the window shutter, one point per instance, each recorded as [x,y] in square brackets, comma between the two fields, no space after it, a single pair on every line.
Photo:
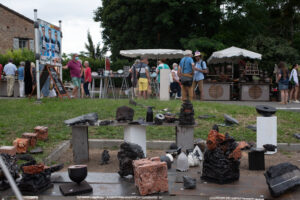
[31,45]
[16,43]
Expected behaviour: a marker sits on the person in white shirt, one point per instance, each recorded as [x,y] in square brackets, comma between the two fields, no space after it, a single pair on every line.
[294,84]
[175,85]
[10,72]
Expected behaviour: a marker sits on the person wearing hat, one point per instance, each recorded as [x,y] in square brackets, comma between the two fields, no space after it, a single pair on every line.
[75,71]
[185,72]
[200,69]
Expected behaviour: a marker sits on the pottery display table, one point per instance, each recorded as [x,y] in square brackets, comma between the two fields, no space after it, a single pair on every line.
[133,133]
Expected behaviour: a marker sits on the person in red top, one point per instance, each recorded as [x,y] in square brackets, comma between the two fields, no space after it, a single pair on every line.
[87,78]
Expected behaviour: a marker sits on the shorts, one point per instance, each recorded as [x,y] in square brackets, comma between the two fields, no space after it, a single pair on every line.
[143,84]
[282,86]
[76,81]
[82,80]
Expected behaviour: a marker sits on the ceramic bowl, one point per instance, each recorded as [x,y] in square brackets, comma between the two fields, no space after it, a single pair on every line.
[77,173]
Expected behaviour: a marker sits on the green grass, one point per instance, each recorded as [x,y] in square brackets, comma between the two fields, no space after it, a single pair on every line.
[22,115]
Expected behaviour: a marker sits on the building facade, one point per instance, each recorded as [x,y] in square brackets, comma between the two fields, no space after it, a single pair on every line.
[16,30]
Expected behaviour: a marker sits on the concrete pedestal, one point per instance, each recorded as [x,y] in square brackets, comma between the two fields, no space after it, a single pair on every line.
[185,137]
[80,144]
[164,85]
[266,132]
[136,135]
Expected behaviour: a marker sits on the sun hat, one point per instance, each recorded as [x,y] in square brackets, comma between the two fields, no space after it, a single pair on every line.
[197,53]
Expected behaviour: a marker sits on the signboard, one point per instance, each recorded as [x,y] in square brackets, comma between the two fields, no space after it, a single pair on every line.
[59,87]
[50,43]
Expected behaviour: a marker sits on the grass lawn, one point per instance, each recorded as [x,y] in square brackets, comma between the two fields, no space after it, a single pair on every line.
[22,115]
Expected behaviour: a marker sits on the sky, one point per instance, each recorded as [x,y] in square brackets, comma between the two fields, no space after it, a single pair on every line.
[76,16]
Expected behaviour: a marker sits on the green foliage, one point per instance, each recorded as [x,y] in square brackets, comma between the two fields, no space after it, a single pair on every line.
[202,44]
[203,25]
[273,50]
[17,56]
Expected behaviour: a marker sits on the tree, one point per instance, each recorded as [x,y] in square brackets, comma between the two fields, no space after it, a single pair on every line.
[94,52]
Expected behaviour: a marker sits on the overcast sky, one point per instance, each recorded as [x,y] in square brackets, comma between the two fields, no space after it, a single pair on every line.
[76,16]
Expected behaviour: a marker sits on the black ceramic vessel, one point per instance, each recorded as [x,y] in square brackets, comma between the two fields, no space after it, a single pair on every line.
[265,111]
[77,173]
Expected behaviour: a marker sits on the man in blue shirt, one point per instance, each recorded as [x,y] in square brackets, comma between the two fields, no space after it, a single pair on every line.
[21,78]
[186,71]
[200,69]
[10,72]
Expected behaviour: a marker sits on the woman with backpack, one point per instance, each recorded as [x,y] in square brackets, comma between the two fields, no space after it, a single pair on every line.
[294,84]
[283,82]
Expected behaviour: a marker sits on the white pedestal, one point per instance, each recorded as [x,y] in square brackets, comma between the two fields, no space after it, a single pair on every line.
[164,85]
[266,132]
[136,135]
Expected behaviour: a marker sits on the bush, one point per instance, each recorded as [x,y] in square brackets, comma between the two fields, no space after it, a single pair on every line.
[17,56]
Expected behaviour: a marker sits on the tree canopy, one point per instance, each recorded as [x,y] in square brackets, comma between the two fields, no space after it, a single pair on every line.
[269,27]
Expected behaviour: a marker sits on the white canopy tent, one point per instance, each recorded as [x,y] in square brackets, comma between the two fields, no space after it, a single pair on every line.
[154,53]
[232,55]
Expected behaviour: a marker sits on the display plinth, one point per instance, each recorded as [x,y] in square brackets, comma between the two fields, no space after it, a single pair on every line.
[266,132]
[164,85]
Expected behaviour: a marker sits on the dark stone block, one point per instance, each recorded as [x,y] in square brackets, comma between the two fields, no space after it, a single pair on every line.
[256,159]
[124,113]
[71,189]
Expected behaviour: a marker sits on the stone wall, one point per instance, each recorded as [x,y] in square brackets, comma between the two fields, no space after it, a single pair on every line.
[13,25]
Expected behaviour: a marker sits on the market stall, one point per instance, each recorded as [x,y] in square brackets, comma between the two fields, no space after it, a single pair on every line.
[231,77]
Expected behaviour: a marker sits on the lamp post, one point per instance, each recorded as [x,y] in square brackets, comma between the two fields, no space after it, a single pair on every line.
[37,54]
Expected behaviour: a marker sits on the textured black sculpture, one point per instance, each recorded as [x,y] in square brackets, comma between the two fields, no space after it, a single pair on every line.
[104,157]
[186,116]
[281,178]
[11,163]
[35,183]
[189,182]
[124,114]
[128,152]
[221,159]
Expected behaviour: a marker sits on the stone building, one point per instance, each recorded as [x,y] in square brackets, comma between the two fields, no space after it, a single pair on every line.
[16,30]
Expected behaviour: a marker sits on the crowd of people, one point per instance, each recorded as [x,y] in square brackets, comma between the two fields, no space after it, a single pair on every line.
[184,78]
[288,83]
[81,76]
[25,74]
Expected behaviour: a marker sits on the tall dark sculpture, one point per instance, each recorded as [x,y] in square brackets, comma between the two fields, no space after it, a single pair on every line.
[186,116]
[126,155]
[222,158]
[11,163]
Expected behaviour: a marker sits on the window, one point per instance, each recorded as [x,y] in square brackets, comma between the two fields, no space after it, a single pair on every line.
[23,43]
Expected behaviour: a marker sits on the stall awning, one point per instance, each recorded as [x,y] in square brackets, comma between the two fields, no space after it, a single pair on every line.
[153,53]
[232,55]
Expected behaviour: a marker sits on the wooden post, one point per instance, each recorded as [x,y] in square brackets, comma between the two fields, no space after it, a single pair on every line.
[185,137]
[80,144]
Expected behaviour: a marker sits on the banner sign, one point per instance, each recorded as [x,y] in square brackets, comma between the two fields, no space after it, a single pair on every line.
[50,43]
